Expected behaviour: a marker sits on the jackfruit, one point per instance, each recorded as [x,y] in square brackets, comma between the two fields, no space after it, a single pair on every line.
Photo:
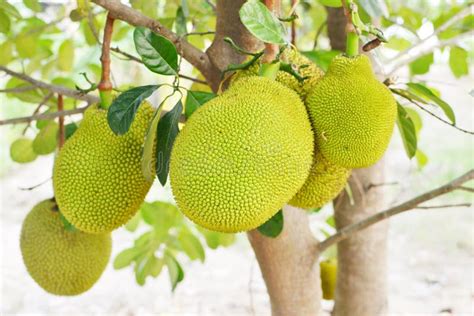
[242,156]
[323,184]
[97,176]
[328,270]
[303,65]
[62,262]
[353,114]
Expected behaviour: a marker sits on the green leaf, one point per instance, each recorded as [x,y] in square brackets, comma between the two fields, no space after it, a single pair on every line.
[156,265]
[21,150]
[273,227]
[6,51]
[157,53]
[398,43]
[191,245]
[262,23]
[149,148]
[421,65]
[66,55]
[458,61]
[126,257]
[407,131]
[269,70]
[180,22]
[216,239]
[33,5]
[122,111]
[26,46]
[331,3]
[426,93]
[69,130]
[46,140]
[195,99]
[421,159]
[160,214]
[166,133]
[416,118]
[175,271]
[5,22]
[10,9]
[374,8]
[321,58]
[133,223]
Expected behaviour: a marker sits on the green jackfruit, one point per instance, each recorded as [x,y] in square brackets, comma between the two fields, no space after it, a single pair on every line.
[242,156]
[62,262]
[323,184]
[97,177]
[303,65]
[353,114]
[328,270]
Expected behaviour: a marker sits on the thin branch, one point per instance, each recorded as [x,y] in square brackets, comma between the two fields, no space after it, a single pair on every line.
[43,116]
[318,33]
[53,88]
[36,185]
[18,89]
[212,5]
[196,57]
[200,33]
[61,133]
[443,206]
[105,84]
[43,102]
[294,3]
[350,230]
[271,50]
[467,189]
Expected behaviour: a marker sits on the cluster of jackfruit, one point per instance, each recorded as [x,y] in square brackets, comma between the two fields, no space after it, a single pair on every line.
[62,262]
[244,154]
[97,177]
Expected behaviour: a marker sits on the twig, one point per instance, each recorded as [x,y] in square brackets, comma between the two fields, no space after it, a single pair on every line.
[196,57]
[318,33]
[375,185]
[443,206]
[53,88]
[199,33]
[467,189]
[19,89]
[212,5]
[350,230]
[43,102]
[271,50]
[43,116]
[105,85]
[35,186]
[61,133]
[293,23]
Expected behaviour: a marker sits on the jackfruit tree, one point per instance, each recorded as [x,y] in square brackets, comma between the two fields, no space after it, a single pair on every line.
[253,116]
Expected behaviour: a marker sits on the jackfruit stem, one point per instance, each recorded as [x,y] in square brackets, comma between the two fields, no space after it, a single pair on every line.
[352,44]
[105,98]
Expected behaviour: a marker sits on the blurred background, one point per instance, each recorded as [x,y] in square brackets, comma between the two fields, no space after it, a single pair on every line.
[431,252]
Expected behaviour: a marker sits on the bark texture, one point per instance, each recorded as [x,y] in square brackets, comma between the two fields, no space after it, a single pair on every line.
[289,266]
[361,280]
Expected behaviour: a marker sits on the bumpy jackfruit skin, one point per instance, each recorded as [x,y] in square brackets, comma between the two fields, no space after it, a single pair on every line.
[353,114]
[325,181]
[292,56]
[242,156]
[97,176]
[61,262]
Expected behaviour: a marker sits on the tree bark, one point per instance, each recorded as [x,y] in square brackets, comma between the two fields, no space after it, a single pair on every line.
[289,262]
[289,266]
[362,268]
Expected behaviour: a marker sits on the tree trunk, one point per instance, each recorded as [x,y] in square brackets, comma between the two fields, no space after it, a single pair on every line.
[289,266]
[362,279]
[288,262]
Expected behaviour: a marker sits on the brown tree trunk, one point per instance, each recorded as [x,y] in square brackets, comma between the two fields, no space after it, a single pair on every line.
[362,279]
[288,262]
[289,266]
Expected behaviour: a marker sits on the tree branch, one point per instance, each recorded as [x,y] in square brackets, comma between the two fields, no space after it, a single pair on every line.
[54,88]
[411,204]
[43,116]
[196,57]
[43,102]
[443,206]
[18,89]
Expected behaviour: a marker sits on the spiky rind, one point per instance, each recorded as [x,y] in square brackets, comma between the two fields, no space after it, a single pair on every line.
[242,156]
[61,262]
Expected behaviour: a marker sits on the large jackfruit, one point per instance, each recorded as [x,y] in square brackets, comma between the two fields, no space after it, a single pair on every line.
[242,156]
[324,182]
[353,114]
[97,177]
[62,262]
[303,65]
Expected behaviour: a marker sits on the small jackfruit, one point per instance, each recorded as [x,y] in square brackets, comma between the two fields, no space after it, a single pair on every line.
[353,114]
[303,65]
[62,262]
[97,176]
[328,270]
[242,156]
[323,184]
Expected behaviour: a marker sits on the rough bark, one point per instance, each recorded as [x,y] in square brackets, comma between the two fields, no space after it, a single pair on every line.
[361,281]
[289,266]
[288,262]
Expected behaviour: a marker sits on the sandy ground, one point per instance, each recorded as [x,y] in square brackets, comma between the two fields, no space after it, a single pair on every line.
[431,252]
